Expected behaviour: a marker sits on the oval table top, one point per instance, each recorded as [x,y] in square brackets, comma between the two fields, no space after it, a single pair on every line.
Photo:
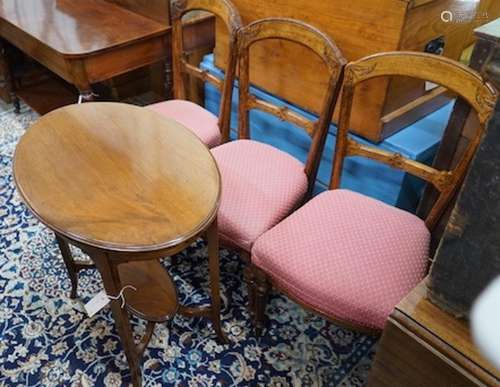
[117,176]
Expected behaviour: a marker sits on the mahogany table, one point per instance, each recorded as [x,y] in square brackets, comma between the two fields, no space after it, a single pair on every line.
[128,187]
[83,42]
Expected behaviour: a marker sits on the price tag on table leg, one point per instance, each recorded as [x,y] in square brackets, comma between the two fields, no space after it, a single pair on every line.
[99,301]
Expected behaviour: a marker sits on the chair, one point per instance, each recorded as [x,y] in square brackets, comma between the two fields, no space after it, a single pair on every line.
[210,129]
[347,256]
[262,184]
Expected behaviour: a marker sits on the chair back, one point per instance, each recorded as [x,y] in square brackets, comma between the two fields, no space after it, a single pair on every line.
[310,37]
[227,13]
[450,74]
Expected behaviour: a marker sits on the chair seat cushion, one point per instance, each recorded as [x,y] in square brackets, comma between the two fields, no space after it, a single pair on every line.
[194,117]
[260,186]
[348,256]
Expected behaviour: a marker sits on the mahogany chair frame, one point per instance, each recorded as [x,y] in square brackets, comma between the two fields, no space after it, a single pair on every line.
[461,80]
[321,45]
[226,12]
[454,76]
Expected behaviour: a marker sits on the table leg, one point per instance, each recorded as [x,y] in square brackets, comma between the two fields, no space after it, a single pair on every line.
[158,80]
[81,80]
[112,285]
[6,68]
[73,266]
[70,265]
[213,262]
[169,81]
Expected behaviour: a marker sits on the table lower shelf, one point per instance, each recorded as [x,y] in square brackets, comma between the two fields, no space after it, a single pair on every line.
[156,296]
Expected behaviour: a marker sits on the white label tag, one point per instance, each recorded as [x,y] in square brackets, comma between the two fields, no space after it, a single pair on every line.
[99,301]
[430,85]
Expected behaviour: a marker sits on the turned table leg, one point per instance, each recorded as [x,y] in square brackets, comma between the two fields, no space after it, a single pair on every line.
[169,81]
[81,80]
[213,262]
[6,69]
[112,285]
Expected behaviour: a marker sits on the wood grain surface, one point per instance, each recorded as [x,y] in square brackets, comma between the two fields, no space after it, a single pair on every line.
[77,28]
[117,176]
[155,295]
[359,28]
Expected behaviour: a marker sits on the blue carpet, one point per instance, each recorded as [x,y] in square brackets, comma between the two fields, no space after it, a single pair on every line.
[46,339]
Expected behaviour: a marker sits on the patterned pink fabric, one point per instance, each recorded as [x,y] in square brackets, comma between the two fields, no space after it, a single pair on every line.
[199,120]
[350,256]
[260,186]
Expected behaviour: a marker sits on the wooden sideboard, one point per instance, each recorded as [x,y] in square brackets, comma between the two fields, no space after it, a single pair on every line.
[360,28]
[424,346]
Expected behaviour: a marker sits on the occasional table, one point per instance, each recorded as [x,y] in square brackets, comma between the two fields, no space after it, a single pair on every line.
[128,187]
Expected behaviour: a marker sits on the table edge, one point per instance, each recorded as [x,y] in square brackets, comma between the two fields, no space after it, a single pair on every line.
[115,247]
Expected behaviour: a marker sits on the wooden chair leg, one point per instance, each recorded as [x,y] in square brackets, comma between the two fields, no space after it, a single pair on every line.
[248,276]
[261,287]
[214,273]
[245,257]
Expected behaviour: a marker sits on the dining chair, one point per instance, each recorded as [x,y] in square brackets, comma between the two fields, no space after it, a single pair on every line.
[262,184]
[349,257]
[210,129]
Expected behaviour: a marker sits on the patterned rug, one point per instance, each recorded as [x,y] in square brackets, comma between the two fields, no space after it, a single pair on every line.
[47,340]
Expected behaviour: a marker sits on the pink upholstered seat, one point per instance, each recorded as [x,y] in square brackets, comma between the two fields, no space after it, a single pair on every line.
[260,186]
[349,256]
[199,120]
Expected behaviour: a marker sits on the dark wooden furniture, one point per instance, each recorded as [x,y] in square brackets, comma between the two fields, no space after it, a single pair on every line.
[467,259]
[424,346]
[360,28]
[449,290]
[443,71]
[128,187]
[487,11]
[488,44]
[85,42]
[463,120]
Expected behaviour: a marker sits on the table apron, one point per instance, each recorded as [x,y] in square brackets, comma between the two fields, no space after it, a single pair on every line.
[108,64]
[35,49]
[90,68]
[127,256]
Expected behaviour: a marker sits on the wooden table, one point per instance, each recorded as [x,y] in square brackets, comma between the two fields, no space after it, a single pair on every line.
[128,187]
[422,345]
[83,42]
